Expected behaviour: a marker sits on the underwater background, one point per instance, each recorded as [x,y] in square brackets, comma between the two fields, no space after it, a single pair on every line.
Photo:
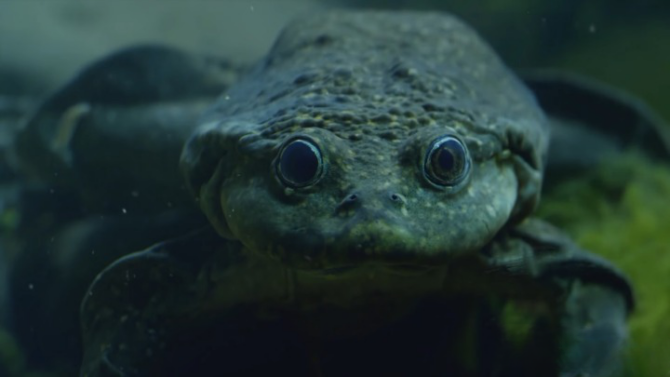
[620,211]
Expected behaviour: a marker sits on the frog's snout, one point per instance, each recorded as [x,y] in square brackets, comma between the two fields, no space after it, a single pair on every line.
[374,199]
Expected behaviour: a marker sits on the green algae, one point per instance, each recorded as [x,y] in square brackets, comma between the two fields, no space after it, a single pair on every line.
[12,362]
[12,359]
[622,212]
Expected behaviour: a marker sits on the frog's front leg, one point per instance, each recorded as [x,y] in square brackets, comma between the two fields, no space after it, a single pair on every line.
[190,306]
[576,324]
[594,331]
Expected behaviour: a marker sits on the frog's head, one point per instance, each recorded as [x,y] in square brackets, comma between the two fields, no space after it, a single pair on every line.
[400,161]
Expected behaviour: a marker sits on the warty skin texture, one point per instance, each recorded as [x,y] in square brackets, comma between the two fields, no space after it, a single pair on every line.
[372,101]
[371,267]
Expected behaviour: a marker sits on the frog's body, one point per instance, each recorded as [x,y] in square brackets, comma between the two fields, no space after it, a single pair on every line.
[199,305]
[372,102]
[395,243]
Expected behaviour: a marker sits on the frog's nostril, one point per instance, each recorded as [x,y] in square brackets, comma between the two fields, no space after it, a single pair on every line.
[372,200]
[350,201]
[397,198]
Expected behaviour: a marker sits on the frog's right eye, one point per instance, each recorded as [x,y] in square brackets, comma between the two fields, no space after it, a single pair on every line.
[300,163]
[447,162]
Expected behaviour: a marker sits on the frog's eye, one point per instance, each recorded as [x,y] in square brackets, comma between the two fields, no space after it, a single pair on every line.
[447,162]
[300,163]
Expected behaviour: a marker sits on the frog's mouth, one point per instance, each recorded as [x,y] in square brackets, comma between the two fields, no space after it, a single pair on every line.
[391,247]
[401,269]
[384,237]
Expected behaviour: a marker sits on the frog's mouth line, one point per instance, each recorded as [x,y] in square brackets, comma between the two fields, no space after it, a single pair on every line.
[401,268]
[315,255]
[383,245]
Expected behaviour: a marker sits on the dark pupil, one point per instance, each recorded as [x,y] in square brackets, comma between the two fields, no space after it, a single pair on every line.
[299,163]
[448,161]
[444,159]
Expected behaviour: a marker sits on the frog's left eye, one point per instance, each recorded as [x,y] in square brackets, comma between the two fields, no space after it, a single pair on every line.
[300,163]
[447,162]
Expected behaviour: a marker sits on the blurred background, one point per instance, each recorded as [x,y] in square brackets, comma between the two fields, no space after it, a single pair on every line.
[622,42]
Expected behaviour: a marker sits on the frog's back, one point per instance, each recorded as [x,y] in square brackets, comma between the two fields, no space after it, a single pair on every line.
[382,72]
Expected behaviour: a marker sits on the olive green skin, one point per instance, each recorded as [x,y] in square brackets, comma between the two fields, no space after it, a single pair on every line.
[372,102]
[373,241]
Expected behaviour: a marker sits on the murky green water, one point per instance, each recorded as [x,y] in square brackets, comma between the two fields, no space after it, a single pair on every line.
[619,210]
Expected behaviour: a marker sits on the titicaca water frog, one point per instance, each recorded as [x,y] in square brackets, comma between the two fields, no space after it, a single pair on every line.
[368,187]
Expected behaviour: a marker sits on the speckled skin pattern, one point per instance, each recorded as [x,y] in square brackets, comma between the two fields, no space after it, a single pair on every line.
[372,90]
[371,269]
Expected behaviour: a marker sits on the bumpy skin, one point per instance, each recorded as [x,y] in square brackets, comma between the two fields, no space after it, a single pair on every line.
[372,101]
[372,269]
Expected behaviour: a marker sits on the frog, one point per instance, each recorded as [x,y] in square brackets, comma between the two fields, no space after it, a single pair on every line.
[367,199]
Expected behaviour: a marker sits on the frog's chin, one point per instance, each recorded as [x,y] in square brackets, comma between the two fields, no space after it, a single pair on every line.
[395,268]
[411,268]
[386,246]
[346,254]
[339,259]
[389,267]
